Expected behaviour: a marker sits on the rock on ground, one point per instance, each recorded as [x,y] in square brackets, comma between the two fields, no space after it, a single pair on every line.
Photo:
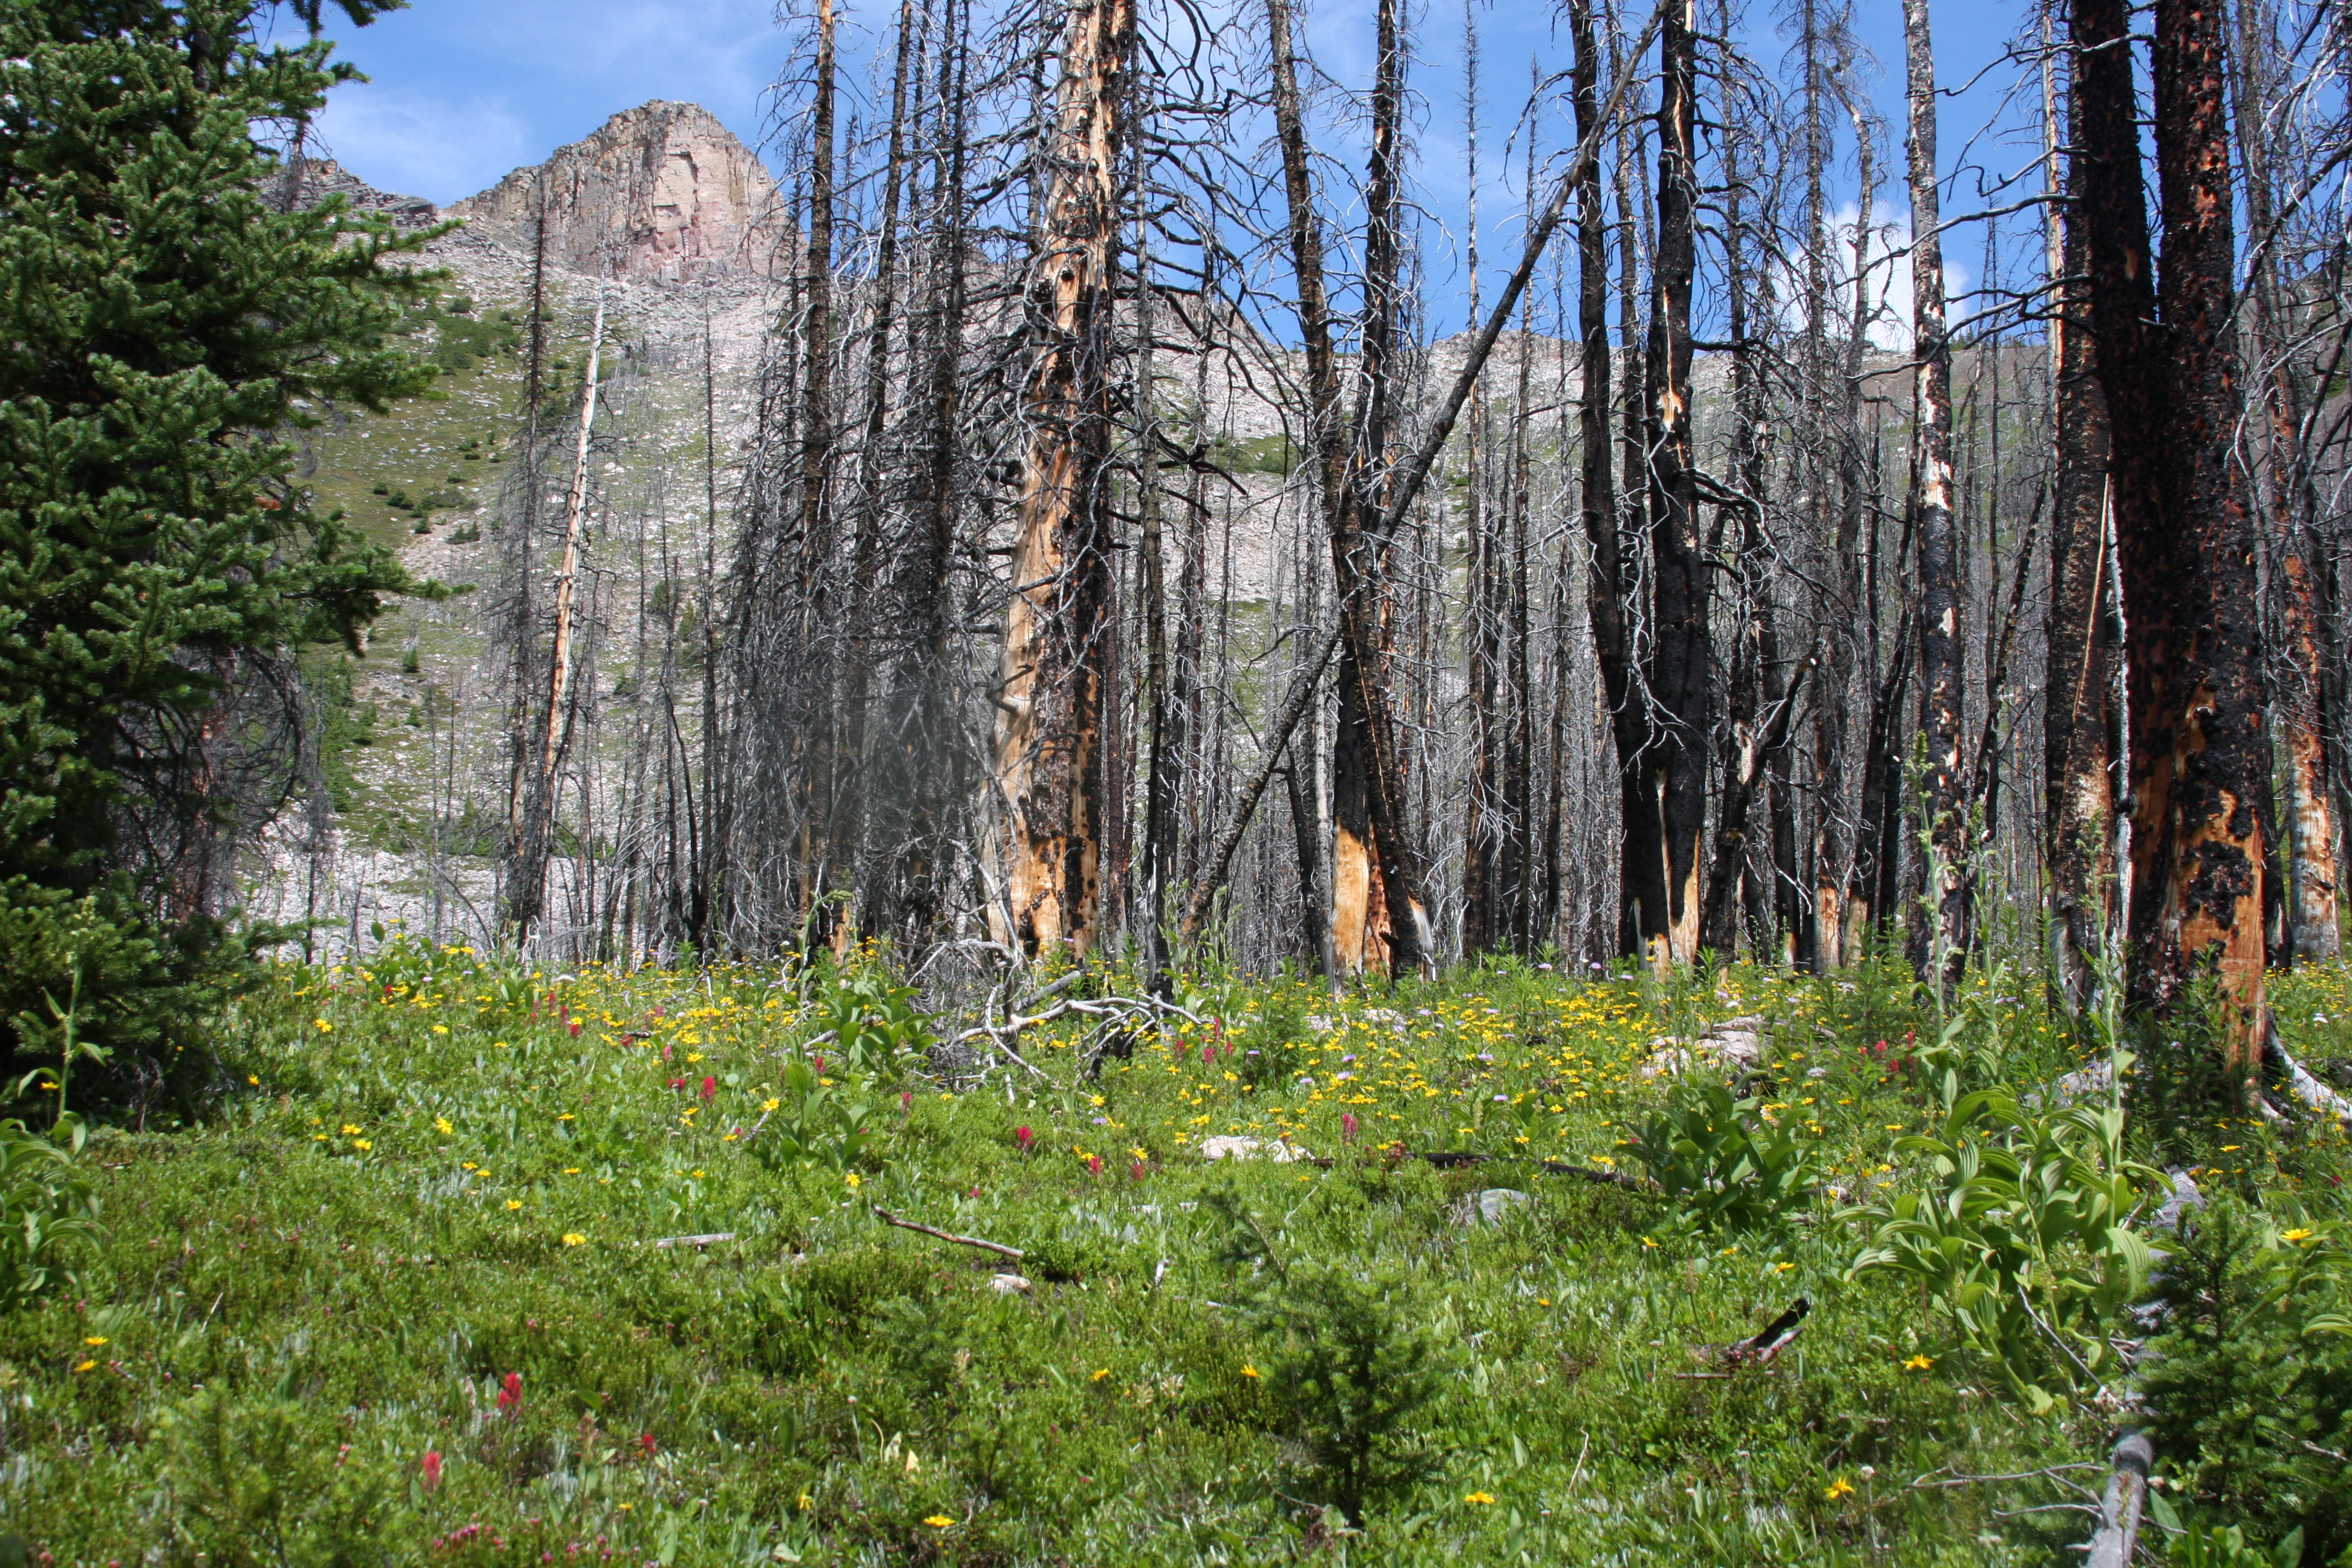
[1274,1149]
[1488,1207]
[1736,1043]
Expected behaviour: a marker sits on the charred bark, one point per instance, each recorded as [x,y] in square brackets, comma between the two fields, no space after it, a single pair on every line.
[1052,685]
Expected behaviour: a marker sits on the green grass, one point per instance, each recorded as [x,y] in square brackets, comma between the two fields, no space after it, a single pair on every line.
[430,1191]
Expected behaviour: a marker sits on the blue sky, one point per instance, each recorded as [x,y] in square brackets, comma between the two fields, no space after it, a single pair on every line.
[464,91]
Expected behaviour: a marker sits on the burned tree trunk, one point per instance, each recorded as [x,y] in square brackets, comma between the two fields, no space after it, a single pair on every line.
[2078,715]
[1943,658]
[2301,708]
[1482,628]
[923,770]
[1758,682]
[817,729]
[2110,210]
[2199,763]
[1053,679]
[1325,437]
[1846,898]
[1604,594]
[866,550]
[1376,904]
[1680,664]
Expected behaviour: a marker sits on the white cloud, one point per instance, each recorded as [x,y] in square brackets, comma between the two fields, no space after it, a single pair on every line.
[411,143]
[1888,258]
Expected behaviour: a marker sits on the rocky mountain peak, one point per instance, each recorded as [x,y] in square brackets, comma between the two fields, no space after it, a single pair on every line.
[660,193]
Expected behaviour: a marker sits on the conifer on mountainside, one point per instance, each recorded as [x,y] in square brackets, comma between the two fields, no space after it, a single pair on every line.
[169,318]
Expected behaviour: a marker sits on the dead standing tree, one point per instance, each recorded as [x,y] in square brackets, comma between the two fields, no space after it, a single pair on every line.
[2201,758]
[2080,713]
[1055,670]
[1668,831]
[2198,761]
[1942,940]
[1378,915]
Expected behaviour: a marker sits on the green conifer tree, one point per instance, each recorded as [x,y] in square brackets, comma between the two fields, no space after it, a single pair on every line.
[165,326]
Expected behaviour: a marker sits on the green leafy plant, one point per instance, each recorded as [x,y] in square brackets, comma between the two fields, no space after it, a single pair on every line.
[816,1123]
[2023,1237]
[868,1023]
[2191,1543]
[45,1205]
[66,1019]
[1720,1165]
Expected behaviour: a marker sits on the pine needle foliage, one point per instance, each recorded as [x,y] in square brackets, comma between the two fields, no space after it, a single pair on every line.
[2247,1383]
[168,321]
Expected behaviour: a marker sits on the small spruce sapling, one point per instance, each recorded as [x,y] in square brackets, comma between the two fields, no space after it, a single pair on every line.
[1348,1360]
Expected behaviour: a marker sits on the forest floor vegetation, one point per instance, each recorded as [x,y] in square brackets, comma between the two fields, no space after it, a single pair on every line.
[485,1264]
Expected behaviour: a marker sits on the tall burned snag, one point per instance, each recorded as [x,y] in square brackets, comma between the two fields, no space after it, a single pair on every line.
[2079,683]
[1377,913]
[1681,666]
[1605,584]
[1943,661]
[2299,569]
[2200,764]
[1053,682]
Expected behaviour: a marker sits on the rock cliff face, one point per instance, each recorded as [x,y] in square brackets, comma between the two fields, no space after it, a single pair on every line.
[307,181]
[660,193]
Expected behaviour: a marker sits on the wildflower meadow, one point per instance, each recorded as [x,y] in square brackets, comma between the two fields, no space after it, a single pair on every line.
[480,1263]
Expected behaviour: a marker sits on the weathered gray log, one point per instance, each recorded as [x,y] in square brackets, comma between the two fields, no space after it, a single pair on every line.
[998,1247]
[2119,1514]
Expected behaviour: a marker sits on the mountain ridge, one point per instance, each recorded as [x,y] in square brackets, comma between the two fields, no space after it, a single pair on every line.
[662,193]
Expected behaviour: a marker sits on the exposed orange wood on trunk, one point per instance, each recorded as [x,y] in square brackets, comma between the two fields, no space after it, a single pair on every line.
[1056,663]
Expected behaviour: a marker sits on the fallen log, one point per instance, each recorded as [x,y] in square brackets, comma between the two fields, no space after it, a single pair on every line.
[2119,1513]
[998,1247]
[2299,1081]
[1759,1348]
